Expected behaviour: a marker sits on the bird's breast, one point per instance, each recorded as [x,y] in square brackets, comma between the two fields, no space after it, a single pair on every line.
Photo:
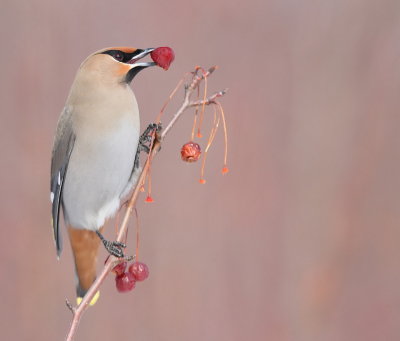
[100,167]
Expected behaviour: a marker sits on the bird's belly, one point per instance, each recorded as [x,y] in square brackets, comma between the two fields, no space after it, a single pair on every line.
[97,175]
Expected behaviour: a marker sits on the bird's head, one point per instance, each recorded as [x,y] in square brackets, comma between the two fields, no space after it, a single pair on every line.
[115,64]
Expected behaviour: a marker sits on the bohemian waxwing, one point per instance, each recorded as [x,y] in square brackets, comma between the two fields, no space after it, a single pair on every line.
[93,161]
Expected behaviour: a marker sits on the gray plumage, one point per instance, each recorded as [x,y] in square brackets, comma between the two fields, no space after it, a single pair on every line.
[63,145]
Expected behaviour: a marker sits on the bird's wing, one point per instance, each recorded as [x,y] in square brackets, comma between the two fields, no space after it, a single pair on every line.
[62,149]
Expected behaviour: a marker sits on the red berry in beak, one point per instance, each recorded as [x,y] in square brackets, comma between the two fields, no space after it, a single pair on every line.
[139,270]
[163,56]
[190,152]
[125,282]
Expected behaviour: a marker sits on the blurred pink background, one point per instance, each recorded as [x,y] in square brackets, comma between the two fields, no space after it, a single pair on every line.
[300,241]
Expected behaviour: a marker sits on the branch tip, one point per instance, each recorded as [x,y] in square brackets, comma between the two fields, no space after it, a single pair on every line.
[212,69]
[70,307]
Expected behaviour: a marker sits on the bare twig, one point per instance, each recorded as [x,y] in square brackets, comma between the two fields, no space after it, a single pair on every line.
[209,100]
[112,261]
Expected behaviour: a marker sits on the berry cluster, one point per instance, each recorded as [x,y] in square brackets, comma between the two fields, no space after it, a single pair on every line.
[126,280]
[191,151]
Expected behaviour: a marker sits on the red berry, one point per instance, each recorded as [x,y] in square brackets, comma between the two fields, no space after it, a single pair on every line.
[125,282]
[119,269]
[139,270]
[163,56]
[190,152]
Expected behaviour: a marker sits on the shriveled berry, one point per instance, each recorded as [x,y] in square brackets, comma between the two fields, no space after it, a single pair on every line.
[125,282]
[139,270]
[190,152]
[120,268]
[163,56]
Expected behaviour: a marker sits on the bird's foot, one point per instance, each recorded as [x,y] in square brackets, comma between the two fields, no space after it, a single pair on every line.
[145,140]
[113,248]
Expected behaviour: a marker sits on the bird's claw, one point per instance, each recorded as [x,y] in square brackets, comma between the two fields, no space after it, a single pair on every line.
[145,140]
[146,137]
[114,248]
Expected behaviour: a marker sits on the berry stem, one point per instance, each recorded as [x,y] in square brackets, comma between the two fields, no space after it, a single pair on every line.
[204,103]
[171,95]
[225,132]
[195,116]
[137,235]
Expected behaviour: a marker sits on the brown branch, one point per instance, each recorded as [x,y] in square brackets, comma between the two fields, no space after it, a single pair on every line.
[112,261]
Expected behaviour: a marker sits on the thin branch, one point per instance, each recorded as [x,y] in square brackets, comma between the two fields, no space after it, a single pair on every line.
[112,261]
[209,100]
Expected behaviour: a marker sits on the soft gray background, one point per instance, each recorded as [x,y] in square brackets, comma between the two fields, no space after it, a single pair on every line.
[300,241]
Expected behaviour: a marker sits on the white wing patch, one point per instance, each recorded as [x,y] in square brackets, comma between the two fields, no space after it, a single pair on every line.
[51,197]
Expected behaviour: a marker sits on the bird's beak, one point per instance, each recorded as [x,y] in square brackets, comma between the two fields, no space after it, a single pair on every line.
[139,56]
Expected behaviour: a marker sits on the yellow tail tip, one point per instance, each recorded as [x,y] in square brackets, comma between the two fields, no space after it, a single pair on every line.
[92,302]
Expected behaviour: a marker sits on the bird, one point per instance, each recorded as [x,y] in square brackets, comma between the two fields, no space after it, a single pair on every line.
[94,162]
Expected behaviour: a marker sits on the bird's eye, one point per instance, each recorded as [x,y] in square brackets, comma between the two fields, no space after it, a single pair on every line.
[118,56]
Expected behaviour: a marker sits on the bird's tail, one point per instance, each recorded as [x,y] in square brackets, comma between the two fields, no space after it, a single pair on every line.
[85,246]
